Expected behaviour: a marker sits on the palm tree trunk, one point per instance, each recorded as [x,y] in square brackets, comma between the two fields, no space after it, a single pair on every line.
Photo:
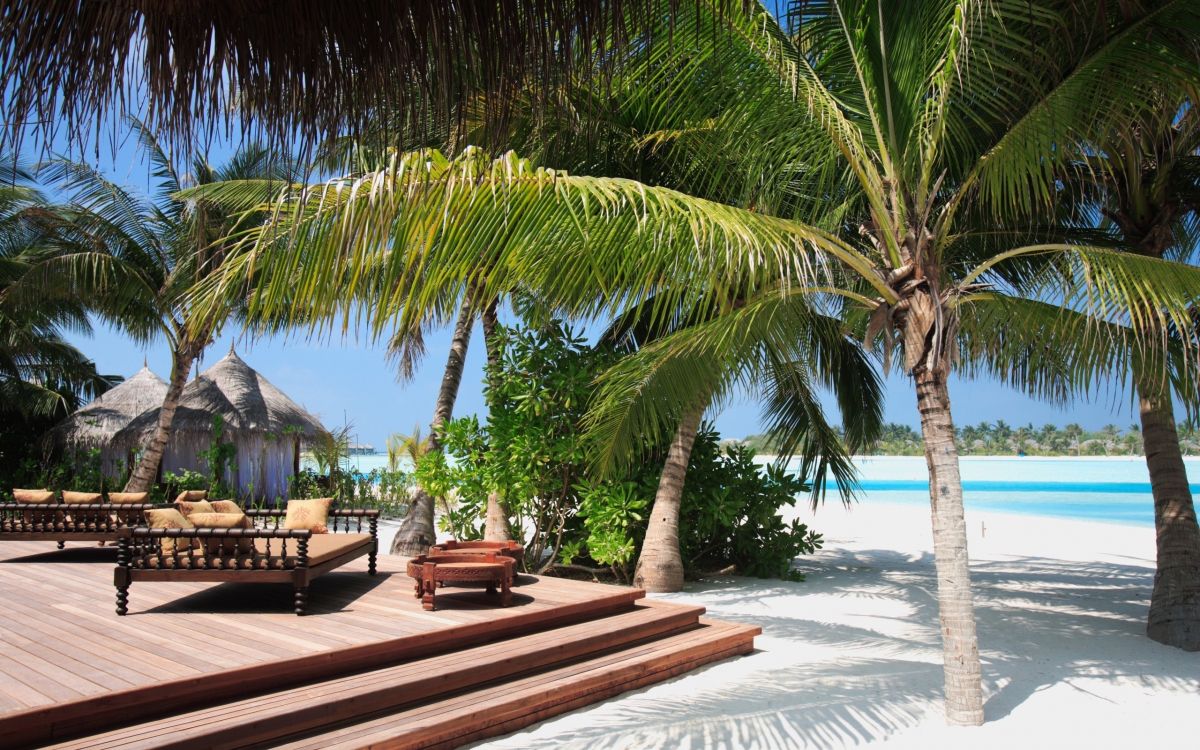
[416,533]
[146,471]
[1174,617]
[960,646]
[660,567]
[495,527]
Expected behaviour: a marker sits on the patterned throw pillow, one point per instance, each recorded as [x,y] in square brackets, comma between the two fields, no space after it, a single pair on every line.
[237,520]
[169,518]
[122,498]
[39,497]
[308,514]
[188,507]
[225,506]
[76,498]
[191,495]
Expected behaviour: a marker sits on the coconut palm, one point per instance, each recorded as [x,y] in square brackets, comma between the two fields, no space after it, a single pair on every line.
[137,258]
[41,374]
[931,128]
[1146,186]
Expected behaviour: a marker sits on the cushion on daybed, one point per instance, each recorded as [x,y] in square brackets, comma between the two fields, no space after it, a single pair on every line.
[122,498]
[312,515]
[225,506]
[170,518]
[188,496]
[188,507]
[321,549]
[76,498]
[237,520]
[38,497]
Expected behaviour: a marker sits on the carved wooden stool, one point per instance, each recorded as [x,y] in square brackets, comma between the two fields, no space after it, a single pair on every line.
[504,549]
[429,571]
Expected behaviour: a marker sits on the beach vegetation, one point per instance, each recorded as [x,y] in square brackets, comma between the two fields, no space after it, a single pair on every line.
[135,259]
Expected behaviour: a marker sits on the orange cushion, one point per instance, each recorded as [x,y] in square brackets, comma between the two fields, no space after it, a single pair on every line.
[188,507]
[81,497]
[223,521]
[191,495]
[120,498]
[33,496]
[308,514]
[225,506]
[170,518]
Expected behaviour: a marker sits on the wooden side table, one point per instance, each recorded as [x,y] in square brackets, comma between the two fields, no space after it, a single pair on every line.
[430,571]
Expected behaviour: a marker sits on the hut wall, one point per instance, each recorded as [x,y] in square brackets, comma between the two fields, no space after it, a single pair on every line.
[262,467]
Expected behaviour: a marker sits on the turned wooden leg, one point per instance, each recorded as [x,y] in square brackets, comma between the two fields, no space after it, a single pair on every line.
[122,600]
[371,560]
[301,599]
[61,544]
[427,600]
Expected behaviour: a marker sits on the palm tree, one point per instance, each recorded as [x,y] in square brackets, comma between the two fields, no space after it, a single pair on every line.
[1147,189]
[138,258]
[41,374]
[923,128]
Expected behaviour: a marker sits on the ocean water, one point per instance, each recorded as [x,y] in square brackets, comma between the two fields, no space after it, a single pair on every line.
[1114,489]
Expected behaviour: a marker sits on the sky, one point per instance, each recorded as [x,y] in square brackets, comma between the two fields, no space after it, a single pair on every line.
[353,382]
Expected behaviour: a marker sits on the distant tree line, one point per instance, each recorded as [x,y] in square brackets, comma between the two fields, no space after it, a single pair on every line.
[999,438]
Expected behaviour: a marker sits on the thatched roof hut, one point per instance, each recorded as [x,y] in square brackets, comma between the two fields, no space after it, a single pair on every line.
[266,426]
[94,425]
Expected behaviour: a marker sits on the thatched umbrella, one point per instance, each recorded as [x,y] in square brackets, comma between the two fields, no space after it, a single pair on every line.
[311,66]
[266,426]
[95,425]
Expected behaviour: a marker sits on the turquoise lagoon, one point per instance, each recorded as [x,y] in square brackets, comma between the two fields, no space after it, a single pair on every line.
[1115,489]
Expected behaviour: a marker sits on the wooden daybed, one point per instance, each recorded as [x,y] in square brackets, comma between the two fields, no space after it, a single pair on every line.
[67,522]
[267,553]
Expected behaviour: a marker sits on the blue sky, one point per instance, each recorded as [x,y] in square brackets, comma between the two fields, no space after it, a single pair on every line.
[352,380]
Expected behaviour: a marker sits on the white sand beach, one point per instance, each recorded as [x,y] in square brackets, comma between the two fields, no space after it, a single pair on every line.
[851,657]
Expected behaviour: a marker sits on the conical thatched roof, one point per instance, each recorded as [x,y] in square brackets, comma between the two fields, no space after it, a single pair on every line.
[247,402]
[96,423]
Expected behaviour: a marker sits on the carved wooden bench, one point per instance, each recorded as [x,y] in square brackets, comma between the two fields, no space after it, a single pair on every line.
[490,569]
[264,554]
[63,522]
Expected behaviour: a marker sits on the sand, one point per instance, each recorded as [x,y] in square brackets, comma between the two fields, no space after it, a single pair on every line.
[851,657]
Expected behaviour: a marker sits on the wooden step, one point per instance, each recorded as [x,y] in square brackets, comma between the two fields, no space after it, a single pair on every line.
[74,718]
[503,708]
[315,705]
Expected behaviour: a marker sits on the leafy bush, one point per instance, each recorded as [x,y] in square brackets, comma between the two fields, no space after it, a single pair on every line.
[730,513]
[532,454]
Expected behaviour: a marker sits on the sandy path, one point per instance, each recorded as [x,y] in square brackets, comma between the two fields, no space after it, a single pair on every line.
[851,658]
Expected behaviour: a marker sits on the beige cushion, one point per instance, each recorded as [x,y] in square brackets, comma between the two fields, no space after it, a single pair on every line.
[225,506]
[191,495]
[170,518]
[223,521]
[188,507]
[308,514]
[121,498]
[39,497]
[81,497]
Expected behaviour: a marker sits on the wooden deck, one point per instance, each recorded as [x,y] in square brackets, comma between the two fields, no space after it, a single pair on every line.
[229,665]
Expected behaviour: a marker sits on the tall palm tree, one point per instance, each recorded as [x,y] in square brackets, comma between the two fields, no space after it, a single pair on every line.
[932,127]
[1147,189]
[137,258]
